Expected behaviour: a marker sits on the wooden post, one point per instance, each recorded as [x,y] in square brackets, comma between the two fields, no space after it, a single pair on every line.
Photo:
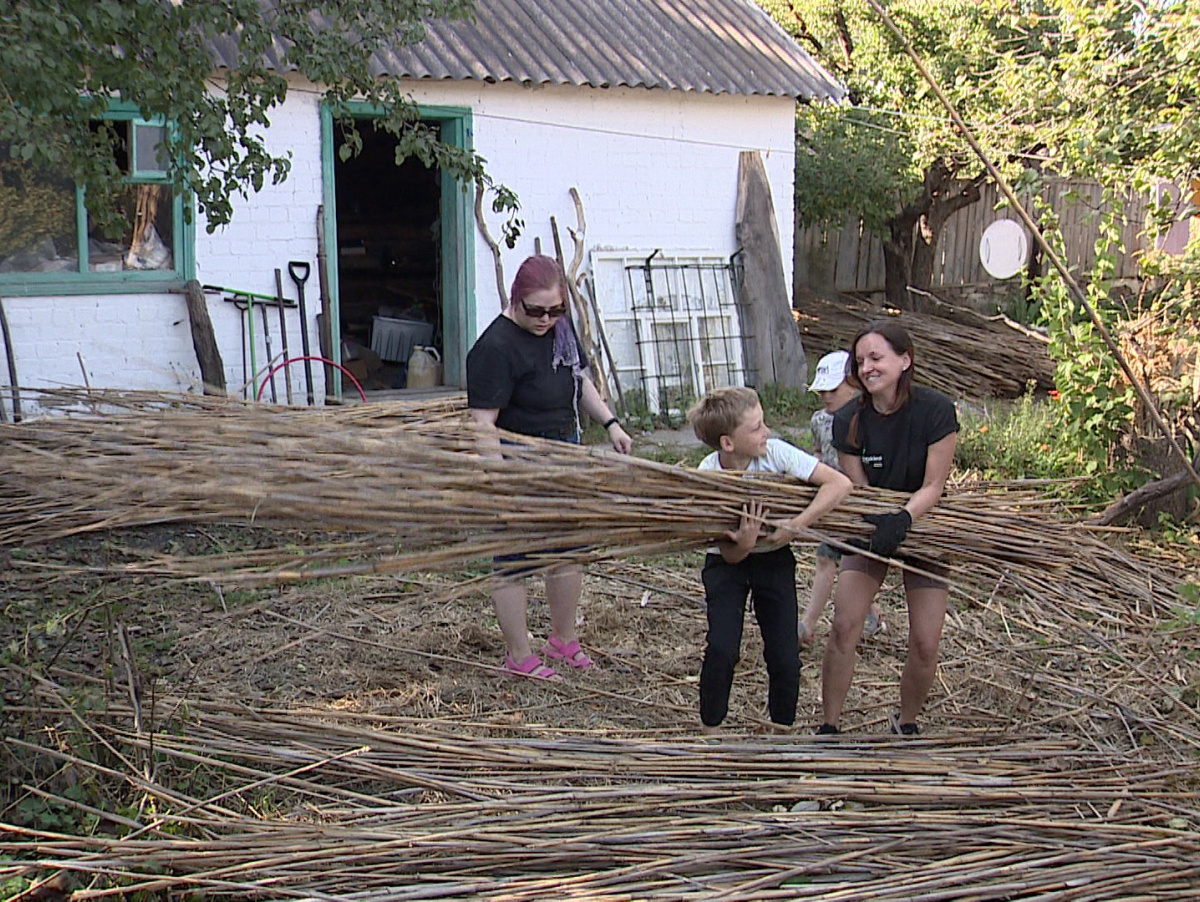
[212,368]
[774,352]
[13,384]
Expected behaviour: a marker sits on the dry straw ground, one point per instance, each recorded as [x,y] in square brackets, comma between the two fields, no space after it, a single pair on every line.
[353,738]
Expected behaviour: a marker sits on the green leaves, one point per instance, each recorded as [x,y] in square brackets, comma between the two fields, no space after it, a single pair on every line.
[1103,91]
[62,60]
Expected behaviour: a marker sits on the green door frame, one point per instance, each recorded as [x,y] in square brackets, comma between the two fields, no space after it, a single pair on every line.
[458,246]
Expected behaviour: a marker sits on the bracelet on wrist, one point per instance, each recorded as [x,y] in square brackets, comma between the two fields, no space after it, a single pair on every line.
[610,422]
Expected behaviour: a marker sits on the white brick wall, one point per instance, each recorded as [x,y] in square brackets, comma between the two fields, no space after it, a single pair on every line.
[654,169]
[269,229]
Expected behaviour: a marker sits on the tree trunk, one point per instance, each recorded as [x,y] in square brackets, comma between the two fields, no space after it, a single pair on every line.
[1148,494]
[897,264]
[910,248]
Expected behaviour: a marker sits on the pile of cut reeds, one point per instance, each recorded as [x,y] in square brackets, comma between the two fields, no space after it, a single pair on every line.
[972,356]
[365,806]
[411,485]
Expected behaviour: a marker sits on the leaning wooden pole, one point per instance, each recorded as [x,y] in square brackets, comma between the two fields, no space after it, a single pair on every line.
[492,245]
[204,340]
[1055,260]
[14,384]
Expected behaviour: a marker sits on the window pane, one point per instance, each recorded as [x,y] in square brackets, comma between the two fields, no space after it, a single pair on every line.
[716,352]
[673,349]
[37,218]
[150,154]
[147,235]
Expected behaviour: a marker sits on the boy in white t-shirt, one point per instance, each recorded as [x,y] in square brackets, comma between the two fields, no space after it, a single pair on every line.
[835,392]
[730,420]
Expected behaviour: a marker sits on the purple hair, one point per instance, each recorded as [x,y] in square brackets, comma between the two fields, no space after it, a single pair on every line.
[538,273]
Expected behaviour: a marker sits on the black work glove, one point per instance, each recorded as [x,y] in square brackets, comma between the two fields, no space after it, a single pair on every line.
[890,531]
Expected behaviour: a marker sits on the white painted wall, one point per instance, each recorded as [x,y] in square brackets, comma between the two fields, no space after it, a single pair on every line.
[270,228]
[654,169]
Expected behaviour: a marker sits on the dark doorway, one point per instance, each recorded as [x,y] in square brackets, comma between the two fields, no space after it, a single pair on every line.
[389,266]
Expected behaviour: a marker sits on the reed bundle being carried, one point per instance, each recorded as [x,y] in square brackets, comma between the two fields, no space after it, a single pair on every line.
[413,489]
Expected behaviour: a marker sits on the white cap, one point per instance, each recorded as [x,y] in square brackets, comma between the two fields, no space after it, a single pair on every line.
[831,371]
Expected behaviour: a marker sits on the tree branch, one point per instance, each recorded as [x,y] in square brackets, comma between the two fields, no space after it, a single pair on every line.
[1140,497]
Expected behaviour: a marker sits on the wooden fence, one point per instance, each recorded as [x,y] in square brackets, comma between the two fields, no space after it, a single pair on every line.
[851,259]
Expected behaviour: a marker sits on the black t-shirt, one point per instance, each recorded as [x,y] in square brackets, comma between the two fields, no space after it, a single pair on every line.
[893,448]
[511,370]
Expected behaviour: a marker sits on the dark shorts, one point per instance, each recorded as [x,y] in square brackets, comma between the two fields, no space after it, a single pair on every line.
[570,435]
[878,570]
[826,550]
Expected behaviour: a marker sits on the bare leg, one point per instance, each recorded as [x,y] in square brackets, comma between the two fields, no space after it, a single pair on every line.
[563,585]
[823,578]
[855,590]
[510,600]
[926,616]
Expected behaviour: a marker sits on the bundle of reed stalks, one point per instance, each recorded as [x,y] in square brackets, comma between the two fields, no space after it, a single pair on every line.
[367,807]
[417,494]
[971,356]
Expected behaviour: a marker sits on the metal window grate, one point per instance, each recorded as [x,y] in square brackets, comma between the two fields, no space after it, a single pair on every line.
[687,331]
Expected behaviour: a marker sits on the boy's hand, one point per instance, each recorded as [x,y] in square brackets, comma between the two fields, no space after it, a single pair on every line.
[783,533]
[747,533]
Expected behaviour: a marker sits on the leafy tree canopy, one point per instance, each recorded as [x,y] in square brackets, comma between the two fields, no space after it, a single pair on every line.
[1105,89]
[61,61]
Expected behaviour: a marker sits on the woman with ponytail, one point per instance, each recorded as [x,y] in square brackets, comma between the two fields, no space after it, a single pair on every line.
[897,436]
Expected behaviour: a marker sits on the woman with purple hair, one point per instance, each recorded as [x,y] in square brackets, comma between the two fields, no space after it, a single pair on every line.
[527,373]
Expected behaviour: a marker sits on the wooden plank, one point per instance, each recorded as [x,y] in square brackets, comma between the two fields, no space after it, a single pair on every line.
[208,355]
[776,354]
[845,273]
[877,268]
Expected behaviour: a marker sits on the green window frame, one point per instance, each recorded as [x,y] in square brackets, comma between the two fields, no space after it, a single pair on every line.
[119,268]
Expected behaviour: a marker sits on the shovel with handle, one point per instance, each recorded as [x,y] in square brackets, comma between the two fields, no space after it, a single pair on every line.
[299,271]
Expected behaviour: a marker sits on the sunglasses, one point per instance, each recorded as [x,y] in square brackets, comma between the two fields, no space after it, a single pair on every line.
[539,312]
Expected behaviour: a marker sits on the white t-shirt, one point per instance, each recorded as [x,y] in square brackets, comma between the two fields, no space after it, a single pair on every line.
[780,458]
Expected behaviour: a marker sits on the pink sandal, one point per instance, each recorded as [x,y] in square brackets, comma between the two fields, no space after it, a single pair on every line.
[568,652]
[531,667]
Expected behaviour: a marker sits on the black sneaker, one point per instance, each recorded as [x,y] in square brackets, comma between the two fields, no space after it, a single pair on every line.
[827,729]
[904,729]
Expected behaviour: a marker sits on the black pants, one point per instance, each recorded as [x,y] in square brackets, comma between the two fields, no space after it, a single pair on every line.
[770,578]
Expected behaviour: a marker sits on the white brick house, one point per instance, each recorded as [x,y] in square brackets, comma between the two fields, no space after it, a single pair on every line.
[653,157]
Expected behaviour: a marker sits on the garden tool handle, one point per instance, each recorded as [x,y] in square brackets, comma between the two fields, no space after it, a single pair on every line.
[299,271]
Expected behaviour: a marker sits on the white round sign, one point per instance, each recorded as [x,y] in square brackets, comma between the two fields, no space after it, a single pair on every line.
[1004,248]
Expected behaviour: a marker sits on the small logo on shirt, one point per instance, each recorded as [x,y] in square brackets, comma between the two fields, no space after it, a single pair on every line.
[875,461]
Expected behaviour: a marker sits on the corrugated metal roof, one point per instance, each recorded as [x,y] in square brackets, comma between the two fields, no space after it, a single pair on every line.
[707,46]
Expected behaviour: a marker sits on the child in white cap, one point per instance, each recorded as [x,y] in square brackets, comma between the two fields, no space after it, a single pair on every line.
[834,391]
